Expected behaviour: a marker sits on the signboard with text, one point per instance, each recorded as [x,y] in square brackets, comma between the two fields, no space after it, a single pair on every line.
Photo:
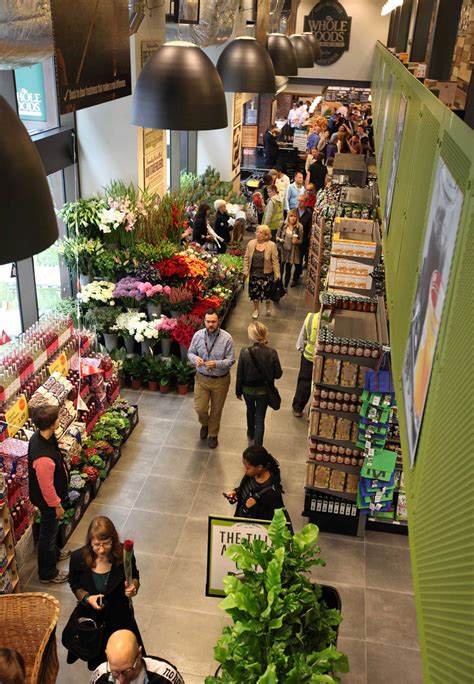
[330,24]
[17,415]
[30,93]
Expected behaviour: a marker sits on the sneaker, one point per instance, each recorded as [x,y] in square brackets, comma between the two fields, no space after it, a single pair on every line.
[203,432]
[59,579]
[212,442]
[269,310]
[64,554]
[255,315]
[297,414]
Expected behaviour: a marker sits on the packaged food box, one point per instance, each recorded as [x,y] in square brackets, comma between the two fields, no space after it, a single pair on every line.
[343,428]
[337,480]
[352,483]
[321,477]
[332,369]
[327,426]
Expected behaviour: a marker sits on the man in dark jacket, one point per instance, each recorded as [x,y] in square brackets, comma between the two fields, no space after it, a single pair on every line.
[270,146]
[318,173]
[48,487]
[126,664]
[306,218]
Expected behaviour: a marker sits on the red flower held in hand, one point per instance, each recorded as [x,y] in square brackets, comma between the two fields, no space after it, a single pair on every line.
[128,545]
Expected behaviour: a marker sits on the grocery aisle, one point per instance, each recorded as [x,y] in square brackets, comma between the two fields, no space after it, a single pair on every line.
[166,484]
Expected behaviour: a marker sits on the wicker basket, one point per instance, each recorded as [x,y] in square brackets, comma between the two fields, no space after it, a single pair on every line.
[28,624]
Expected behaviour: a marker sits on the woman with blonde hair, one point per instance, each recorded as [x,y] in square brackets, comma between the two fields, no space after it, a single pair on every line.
[257,369]
[97,579]
[289,238]
[262,266]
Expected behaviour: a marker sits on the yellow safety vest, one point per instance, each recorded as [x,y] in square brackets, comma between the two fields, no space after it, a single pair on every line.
[311,329]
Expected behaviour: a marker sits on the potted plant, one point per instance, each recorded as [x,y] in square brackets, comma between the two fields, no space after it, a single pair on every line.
[128,293]
[184,373]
[102,319]
[80,253]
[135,368]
[82,215]
[178,300]
[166,374]
[282,629]
[129,325]
[153,366]
[153,296]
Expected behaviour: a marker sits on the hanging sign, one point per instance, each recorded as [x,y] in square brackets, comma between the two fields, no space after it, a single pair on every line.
[330,24]
[30,93]
[17,415]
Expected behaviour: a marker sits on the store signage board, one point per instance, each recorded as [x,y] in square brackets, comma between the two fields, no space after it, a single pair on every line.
[237,109]
[154,141]
[236,151]
[394,162]
[300,139]
[432,288]
[60,364]
[249,136]
[30,93]
[17,415]
[93,66]
[331,25]
[223,531]
[388,100]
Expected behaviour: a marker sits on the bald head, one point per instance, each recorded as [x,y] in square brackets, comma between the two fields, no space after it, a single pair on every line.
[122,652]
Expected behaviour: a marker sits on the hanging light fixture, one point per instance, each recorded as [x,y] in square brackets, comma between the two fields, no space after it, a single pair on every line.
[304,51]
[309,35]
[28,222]
[245,66]
[179,89]
[283,55]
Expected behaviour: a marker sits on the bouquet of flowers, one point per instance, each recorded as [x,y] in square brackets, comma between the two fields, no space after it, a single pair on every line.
[127,209]
[128,292]
[171,221]
[135,325]
[204,303]
[185,328]
[91,473]
[146,273]
[196,267]
[101,291]
[82,251]
[174,267]
[165,326]
[222,292]
[178,299]
[155,293]
[104,449]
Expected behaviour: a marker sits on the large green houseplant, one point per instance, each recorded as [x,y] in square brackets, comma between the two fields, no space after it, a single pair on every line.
[282,632]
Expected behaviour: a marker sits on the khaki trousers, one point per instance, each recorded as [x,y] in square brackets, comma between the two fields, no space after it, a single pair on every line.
[209,398]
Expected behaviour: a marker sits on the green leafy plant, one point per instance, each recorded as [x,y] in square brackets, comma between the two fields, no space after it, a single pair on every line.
[107,265]
[81,252]
[135,367]
[83,214]
[100,318]
[167,371]
[184,372]
[69,307]
[153,367]
[282,632]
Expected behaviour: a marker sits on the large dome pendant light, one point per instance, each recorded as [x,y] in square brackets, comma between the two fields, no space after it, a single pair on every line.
[179,89]
[304,51]
[28,222]
[245,66]
[309,35]
[283,55]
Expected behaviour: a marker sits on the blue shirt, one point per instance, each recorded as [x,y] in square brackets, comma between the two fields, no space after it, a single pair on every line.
[292,194]
[218,347]
[312,141]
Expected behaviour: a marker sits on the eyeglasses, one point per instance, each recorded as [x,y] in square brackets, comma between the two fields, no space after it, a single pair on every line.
[122,673]
[104,545]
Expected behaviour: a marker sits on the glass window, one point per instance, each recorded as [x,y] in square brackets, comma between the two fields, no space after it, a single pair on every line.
[36,96]
[10,318]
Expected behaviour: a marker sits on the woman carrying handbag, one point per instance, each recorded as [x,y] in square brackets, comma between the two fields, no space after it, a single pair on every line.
[262,267]
[257,370]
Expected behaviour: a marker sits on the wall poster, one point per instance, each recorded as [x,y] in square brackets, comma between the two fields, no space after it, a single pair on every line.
[438,251]
[92,50]
[402,108]
[330,24]
[236,151]
[154,141]
[237,109]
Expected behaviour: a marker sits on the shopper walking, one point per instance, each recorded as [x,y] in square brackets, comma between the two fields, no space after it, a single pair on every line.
[294,190]
[282,182]
[221,225]
[48,487]
[126,663]
[289,238]
[257,369]
[306,344]
[273,217]
[212,353]
[201,224]
[270,145]
[260,492]
[259,205]
[305,217]
[97,579]
[238,229]
[318,173]
[262,266]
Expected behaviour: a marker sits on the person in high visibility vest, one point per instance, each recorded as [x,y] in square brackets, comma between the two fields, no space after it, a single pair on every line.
[305,344]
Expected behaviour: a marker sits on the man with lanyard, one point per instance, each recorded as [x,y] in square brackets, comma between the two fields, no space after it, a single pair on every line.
[306,344]
[125,664]
[212,353]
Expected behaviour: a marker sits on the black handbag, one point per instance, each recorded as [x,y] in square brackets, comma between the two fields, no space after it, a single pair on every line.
[278,291]
[274,399]
[83,634]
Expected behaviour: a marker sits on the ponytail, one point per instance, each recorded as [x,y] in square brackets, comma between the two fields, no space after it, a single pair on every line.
[258,455]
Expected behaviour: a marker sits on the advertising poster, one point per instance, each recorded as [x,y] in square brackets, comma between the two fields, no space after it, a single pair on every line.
[394,162]
[30,93]
[386,103]
[236,151]
[92,51]
[154,160]
[440,240]
[222,532]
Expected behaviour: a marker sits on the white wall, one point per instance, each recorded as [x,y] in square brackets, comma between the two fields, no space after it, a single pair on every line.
[367,27]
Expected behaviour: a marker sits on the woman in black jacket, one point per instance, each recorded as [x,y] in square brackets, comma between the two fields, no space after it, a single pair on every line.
[97,578]
[200,223]
[258,367]
[260,491]
[221,225]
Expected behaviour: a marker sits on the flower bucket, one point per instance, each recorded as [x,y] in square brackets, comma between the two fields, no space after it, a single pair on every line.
[136,383]
[110,341]
[165,346]
[175,314]
[184,352]
[129,343]
[183,389]
[84,279]
[164,389]
[153,310]
[153,385]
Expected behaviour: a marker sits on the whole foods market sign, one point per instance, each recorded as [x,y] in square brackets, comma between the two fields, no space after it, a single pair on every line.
[330,24]
[30,93]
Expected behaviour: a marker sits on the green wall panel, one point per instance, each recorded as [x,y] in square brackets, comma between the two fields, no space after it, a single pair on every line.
[440,486]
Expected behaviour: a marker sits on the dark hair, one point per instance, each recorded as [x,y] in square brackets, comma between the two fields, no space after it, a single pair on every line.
[102,528]
[330,161]
[202,209]
[267,179]
[44,416]
[321,157]
[273,188]
[297,172]
[212,312]
[12,667]
[280,167]
[258,455]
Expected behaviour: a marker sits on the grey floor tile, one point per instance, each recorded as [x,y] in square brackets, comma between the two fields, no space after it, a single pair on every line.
[344,561]
[153,569]
[193,540]
[138,456]
[352,609]
[209,501]
[143,615]
[285,447]
[293,477]
[166,495]
[184,637]
[390,539]
[233,440]
[295,504]
[388,567]
[156,405]
[391,618]
[392,665]
[355,650]
[156,533]
[120,489]
[132,396]
[284,418]
[192,679]
[151,429]
[184,464]
[223,469]
[186,435]
[185,588]
[117,514]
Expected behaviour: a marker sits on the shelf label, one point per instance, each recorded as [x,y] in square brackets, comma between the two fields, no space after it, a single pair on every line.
[17,415]
[60,364]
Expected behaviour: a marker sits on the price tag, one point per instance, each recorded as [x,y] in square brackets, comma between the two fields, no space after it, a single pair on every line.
[376,400]
[371,452]
[17,415]
[60,364]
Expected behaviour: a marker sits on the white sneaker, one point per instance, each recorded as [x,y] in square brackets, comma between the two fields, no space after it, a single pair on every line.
[269,310]
[255,314]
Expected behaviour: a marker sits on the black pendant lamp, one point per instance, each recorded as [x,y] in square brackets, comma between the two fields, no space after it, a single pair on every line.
[304,51]
[283,55]
[309,35]
[179,89]
[245,66]
[28,223]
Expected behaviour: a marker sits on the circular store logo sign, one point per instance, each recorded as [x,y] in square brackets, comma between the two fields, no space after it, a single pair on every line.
[330,24]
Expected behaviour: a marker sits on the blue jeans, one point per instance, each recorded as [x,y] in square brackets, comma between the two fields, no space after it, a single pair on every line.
[48,551]
[256,410]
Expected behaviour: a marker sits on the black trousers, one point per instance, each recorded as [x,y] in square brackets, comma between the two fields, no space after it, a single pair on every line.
[48,551]
[303,385]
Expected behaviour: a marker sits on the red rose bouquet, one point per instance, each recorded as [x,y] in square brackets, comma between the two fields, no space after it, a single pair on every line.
[185,329]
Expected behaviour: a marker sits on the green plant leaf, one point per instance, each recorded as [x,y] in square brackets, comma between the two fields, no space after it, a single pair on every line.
[278,530]
[269,676]
[242,557]
[307,537]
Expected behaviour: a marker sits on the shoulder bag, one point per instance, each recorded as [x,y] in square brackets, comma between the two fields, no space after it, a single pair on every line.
[83,634]
[274,399]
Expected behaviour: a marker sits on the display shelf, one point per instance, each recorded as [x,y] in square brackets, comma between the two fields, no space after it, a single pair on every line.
[340,388]
[387,526]
[333,492]
[353,470]
[335,442]
[352,416]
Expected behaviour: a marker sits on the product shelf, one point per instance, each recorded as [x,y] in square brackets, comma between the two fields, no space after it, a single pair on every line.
[353,470]
[349,496]
[352,416]
[335,442]
[340,388]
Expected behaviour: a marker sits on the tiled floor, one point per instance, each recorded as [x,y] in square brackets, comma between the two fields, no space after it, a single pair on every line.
[167,482]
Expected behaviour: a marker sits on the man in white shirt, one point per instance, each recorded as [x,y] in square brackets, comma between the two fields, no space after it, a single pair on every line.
[293,116]
[282,182]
